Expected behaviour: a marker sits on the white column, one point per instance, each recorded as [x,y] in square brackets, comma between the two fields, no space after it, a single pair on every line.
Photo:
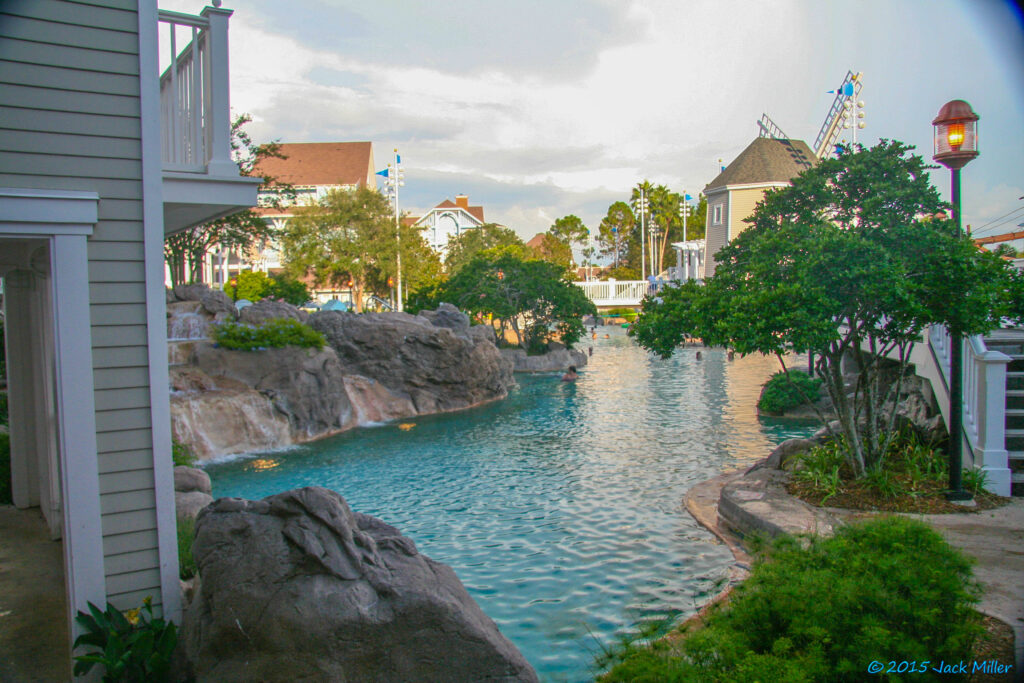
[21,387]
[217,116]
[76,426]
[990,454]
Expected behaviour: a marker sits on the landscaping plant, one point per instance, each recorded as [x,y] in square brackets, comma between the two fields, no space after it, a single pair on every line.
[824,609]
[788,390]
[132,647]
[274,333]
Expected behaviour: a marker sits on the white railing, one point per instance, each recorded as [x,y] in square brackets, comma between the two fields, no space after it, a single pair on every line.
[615,292]
[194,110]
[984,403]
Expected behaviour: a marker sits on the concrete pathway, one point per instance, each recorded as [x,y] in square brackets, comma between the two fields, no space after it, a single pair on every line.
[755,500]
[34,645]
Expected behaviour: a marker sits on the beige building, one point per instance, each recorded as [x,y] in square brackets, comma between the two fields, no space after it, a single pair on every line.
[765,163]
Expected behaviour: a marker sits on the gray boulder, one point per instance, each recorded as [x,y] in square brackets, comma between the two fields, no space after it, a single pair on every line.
[217,303]
[783,457]
[437,368]
[305,385]
[297,587]
[553,361]
[267,309]
[188,479]
[448,316]
[188,504]
[193,292]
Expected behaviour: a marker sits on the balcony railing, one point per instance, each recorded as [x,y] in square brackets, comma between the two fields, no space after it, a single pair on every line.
[615,292]
[194,108]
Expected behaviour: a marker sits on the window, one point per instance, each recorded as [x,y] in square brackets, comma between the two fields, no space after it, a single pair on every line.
[716,216]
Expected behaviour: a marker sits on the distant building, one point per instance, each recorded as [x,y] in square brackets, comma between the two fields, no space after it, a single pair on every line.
[765,163]
[447,220]
[312,169]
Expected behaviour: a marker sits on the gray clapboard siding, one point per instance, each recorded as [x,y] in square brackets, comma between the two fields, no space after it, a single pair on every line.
[124,440]
[118,314]
[116,271]
[133,599]
[61,78]
[53,33]
[83,145]
[118,336]
[117,293]
[105,188]
[129,418]
[69,100]
[86,167]
[128,562]
[118,544]
[127,501]
[73,13]
[69,57]
[127,522]
[121,379]
[121,210]
[122,357]
[125,460]
[48,121]
[117,231]
[118,399]
[115,251]
[140,580]
[129,5]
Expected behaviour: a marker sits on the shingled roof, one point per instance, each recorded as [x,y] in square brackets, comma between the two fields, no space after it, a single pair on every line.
[766,160]
[321,163]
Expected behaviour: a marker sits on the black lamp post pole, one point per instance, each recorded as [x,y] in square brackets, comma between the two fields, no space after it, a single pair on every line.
[956,383]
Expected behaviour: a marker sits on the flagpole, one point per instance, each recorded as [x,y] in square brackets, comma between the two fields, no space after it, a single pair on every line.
[398,229]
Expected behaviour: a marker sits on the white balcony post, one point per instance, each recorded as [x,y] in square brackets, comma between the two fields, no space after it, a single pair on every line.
[990,453]
[218,110]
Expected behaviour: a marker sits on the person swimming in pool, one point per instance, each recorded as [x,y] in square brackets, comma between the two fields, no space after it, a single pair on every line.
[570,375]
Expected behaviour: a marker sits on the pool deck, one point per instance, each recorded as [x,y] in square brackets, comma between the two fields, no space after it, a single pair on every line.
[756,500]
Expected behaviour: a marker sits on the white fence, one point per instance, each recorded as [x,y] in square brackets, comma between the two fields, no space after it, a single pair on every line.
[613,293]
[194,109]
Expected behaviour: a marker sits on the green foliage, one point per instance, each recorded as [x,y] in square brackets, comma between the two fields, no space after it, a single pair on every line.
[186,534]
[467,244]
[614,233]
[6,495]
[275,333]
[787,390]
[843,261]
[182,454]
[821,467]
[1005,251]
[514,290]
[621,273]
[974,480]
[136,648]
[256,285]
[554,250]
[4,415]
[823,609]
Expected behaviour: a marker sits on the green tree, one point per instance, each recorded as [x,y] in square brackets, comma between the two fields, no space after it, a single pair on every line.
[184,251]
[1005,250]
[529,296]
[469,243]
[615,231]
[842,262]
[555,251]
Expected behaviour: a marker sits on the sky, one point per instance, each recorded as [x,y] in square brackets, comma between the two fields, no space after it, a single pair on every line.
[541,108]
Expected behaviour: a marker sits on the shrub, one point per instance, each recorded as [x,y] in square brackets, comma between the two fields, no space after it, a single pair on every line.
[823,609]
[186,534]
[788,390]
[255,285]
[275,333]
[290,290]
[6,496]
[182,454]
[131,647]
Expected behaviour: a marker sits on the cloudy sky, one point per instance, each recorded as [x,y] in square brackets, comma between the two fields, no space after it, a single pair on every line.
[541,108]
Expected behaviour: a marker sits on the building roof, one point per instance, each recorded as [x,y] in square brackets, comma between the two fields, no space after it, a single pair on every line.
[321,163]
[461,202]
[766,160]
[536,241]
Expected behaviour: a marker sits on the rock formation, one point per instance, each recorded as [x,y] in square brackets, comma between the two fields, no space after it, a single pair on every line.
[438,369]
[557,360]
[192,491]
[297,587]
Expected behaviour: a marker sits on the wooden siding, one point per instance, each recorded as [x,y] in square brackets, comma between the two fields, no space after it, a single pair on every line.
[742,203]
[715,234]
[69,120]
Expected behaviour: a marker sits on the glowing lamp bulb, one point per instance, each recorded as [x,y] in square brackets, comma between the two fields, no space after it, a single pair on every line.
[955,135]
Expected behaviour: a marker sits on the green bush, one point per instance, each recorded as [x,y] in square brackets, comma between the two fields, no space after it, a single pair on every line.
[275,333]
[823,609]
[182,454]
[186,534]
[255,285]
[5,469]
[131,647]
[788,390]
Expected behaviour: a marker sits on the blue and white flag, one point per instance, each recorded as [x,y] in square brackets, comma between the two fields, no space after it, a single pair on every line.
[383,173]
[687,197]
[398,159]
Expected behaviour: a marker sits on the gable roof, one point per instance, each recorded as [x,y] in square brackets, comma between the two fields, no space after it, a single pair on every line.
[536,241]
[321,163]
[476,212]
[766,160]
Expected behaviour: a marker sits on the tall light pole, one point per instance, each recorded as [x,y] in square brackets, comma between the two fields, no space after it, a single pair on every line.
[396,179]
[642,205]
[956,144]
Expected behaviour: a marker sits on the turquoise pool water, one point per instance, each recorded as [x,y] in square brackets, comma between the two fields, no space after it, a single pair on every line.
[559,508]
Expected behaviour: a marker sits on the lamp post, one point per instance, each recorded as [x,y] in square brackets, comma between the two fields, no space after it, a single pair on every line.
[956,144]
[642,206]
[396,179]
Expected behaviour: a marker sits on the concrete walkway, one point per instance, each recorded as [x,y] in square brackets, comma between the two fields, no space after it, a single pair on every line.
[755,500]
[34,645]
